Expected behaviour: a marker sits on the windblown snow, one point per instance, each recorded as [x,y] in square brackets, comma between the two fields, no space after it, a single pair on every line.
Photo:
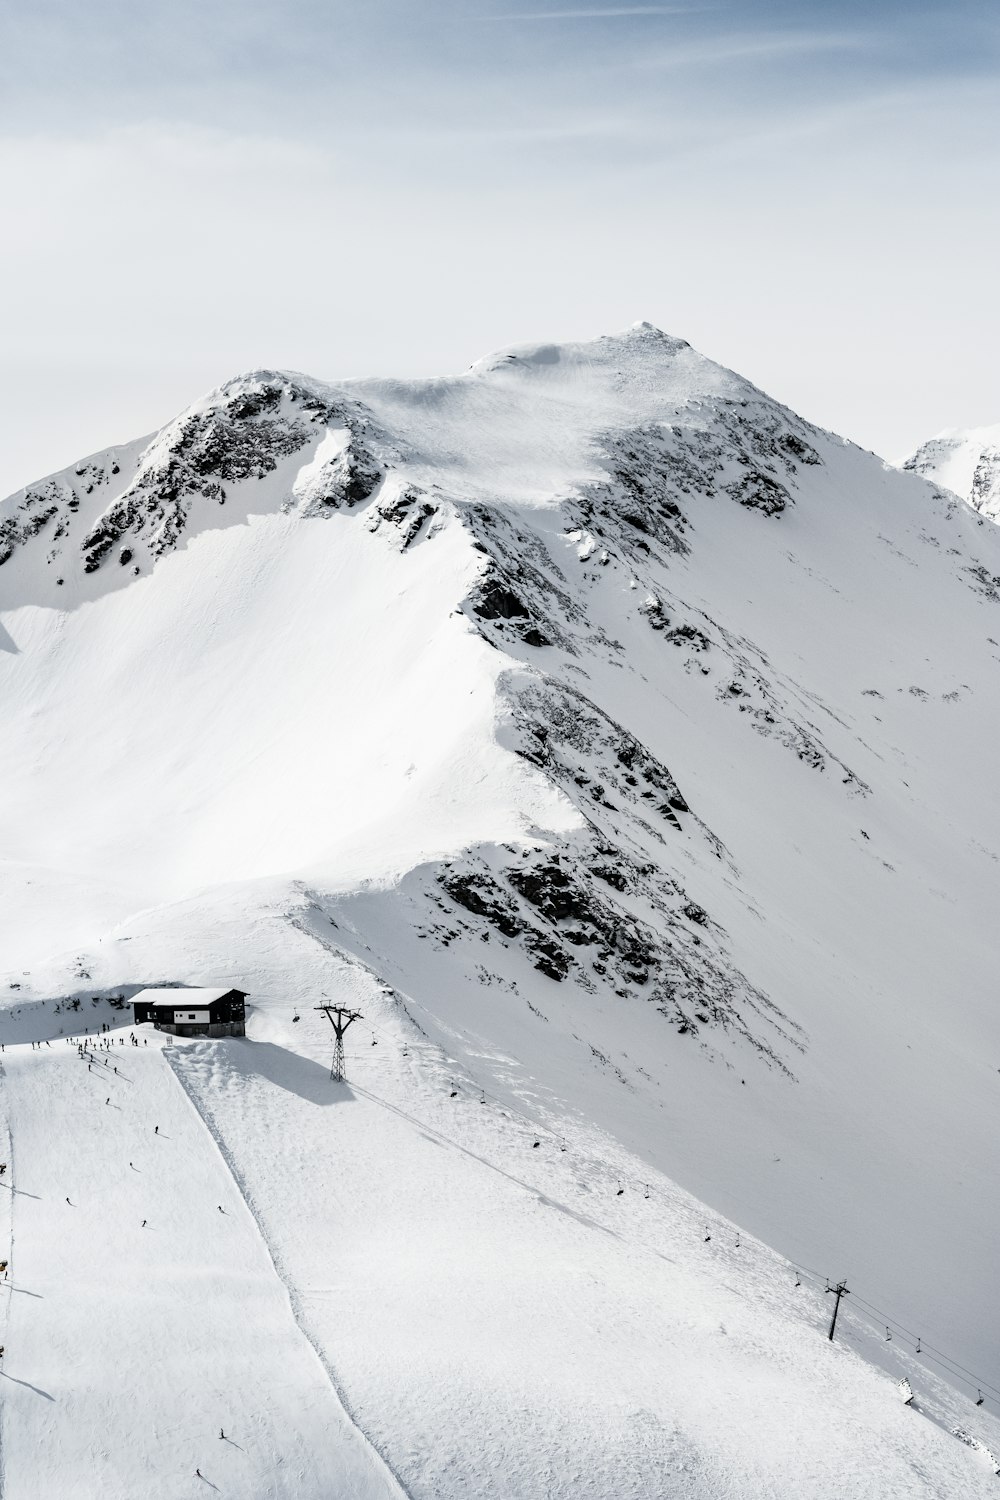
[618,744]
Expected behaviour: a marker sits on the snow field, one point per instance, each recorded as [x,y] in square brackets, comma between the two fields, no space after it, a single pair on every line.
[280,694]
[128,1348]
[497,1321]
[503,1324]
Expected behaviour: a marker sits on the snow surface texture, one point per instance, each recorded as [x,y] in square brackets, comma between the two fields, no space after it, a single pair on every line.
[966,461]
[619,744]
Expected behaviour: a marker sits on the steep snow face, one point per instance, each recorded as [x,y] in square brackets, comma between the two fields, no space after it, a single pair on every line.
[602,709]
[279,694]
[966,461]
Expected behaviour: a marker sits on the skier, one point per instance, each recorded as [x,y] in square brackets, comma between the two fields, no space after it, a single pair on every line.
[222,1435]
[144,1223]
[157,1130]
[3,1168]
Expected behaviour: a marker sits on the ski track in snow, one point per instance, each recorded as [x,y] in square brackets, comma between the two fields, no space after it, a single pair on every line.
[130,1347]
[395,1488]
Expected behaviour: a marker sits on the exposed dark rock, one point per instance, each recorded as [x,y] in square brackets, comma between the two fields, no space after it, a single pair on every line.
[758,491]
[479,894]
[494,601]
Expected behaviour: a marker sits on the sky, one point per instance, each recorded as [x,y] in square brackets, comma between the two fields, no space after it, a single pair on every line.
[805,191]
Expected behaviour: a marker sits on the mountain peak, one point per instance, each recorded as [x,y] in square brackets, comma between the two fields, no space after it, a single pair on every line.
[966,461]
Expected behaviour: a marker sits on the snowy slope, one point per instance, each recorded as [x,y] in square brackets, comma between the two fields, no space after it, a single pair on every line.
[966,461]
[144,1314]
[620,743]
[487,1316]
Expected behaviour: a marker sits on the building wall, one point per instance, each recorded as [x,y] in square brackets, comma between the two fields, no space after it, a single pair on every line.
[207,1028]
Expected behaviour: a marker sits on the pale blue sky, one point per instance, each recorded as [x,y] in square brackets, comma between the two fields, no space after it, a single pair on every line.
[805,191]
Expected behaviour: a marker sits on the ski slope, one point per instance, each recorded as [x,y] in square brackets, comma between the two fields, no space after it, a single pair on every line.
[143,1314]
[421,1258]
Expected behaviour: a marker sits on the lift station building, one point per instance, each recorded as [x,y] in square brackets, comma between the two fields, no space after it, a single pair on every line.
[193,1012]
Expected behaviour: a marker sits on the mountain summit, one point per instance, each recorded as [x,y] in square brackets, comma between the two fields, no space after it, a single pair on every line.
[619,743]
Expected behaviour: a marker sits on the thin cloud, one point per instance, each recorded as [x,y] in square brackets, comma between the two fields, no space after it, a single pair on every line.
[602,14]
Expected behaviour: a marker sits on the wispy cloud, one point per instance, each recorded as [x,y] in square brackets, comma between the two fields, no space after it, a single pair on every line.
[597,13]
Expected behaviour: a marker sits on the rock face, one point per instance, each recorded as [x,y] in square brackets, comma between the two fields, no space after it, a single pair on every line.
[966,461]
[132,507]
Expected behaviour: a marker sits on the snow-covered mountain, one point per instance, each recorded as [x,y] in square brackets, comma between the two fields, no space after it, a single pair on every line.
[620,745]
[966,461]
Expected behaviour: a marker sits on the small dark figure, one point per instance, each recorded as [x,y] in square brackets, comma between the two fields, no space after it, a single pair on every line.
[144,1223]
[108,1099]
[157,1130]
[70,1204]
[221,1209]
[199,1473]
[222,1434]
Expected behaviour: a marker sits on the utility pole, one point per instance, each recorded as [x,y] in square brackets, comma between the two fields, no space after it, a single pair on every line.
[841,1290]
[340,1018]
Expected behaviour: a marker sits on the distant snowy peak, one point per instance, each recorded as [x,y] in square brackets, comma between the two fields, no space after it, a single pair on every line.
[966,461]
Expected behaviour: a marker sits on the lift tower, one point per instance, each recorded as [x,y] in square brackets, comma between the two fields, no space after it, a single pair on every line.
[340,1018]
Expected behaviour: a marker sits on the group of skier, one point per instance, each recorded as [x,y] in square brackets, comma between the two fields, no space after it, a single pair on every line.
[88,1050]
